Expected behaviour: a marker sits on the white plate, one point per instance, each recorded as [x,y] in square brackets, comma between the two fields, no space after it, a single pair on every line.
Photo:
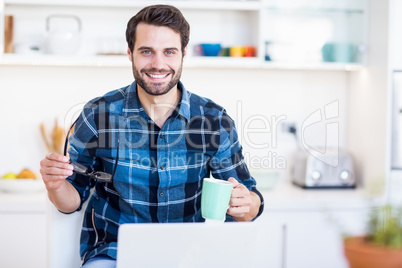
[21,185]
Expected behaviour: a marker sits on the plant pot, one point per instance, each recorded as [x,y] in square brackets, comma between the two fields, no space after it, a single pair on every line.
[363,254]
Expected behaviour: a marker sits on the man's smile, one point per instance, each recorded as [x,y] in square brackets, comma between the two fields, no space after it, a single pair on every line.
[157,76]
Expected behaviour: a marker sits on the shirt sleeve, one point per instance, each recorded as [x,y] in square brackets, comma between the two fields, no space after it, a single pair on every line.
[229,160]
[83,145]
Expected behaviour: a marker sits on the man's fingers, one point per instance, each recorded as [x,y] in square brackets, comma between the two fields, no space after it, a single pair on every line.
[240,202]
[49,164]
[233,181]
[53,163]
[238,211]
[59,171]
[57,157]
[239,191]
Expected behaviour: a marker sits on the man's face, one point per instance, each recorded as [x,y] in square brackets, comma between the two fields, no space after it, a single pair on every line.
[156,58]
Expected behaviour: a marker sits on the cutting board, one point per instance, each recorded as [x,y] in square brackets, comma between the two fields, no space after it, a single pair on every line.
[8,34]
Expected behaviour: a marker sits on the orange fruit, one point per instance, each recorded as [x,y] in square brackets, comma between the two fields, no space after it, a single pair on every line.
[26,174]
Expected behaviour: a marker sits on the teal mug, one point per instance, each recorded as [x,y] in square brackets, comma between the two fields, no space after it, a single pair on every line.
[215,199]
[339,52]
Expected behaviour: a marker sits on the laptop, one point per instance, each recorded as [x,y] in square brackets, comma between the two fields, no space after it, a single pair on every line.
[190,245]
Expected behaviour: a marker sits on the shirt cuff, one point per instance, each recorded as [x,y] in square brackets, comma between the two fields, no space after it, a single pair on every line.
[262,202]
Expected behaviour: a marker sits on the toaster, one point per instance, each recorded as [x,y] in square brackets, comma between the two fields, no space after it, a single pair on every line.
[334,169]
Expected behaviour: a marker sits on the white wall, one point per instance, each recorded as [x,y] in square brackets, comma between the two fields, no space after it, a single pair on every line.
[367,97]
[32,95]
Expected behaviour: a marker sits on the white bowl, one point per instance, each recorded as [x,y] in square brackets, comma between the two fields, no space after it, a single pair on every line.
[21,185]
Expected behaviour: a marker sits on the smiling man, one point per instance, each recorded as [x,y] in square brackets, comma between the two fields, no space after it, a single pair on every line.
[158,140]
[157,60]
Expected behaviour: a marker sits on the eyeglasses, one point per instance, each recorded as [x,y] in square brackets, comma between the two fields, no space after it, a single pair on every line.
[83,170]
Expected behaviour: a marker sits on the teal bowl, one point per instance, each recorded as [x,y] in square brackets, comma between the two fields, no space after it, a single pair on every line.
[210,50]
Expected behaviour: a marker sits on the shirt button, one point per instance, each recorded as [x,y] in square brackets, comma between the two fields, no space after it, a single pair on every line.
[161,194]
[162,167]
[161,136]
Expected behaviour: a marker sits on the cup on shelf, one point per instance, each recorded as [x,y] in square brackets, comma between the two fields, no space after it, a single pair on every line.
[339,52]
[249,51]
[111,45]
[208,49]
[236,51]
[225,52]
[242,51]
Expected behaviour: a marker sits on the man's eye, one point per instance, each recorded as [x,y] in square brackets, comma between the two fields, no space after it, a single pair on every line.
[146,52]
[169,52]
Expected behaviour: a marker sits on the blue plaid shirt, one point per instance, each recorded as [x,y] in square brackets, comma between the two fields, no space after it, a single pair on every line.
[159,171]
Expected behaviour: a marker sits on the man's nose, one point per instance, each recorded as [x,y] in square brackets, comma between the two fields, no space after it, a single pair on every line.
[157,61]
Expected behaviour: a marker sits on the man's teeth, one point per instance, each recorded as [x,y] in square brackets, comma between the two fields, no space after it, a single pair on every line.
[157,75]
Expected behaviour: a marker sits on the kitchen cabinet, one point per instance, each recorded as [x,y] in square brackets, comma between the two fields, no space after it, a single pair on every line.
[300,228]
[290,34]
[394,134]
[23,232]
[310,224]
[313,238]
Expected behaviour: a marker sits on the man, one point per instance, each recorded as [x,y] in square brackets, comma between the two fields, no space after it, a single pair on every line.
[162,139]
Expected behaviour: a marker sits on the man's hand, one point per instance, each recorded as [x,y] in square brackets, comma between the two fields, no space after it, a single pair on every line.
[244,205]
[55,168]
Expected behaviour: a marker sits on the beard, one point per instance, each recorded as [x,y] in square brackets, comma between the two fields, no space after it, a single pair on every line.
[153,88]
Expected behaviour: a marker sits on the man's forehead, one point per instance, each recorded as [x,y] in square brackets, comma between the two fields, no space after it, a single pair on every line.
[156,37]
[155,30]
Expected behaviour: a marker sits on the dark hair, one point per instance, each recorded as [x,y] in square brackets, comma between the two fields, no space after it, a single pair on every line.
[159,15]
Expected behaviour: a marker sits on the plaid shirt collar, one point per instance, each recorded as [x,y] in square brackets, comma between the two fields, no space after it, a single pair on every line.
[132,106]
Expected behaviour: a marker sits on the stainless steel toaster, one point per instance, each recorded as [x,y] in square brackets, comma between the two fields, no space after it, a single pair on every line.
[334,169]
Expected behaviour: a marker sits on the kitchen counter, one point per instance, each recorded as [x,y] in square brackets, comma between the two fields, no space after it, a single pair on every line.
[23,202]
[308,214]
[285,195]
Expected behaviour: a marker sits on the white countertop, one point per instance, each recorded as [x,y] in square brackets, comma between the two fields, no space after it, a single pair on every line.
[283,196]
[286,196]
[23,202]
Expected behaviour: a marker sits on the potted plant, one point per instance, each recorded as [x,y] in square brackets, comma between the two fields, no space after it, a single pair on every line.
[382,246]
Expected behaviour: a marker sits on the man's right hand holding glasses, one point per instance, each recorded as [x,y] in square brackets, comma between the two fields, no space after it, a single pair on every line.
[55,168]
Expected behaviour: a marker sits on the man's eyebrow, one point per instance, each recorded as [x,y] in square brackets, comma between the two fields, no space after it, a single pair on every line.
[150,48]
[145,48]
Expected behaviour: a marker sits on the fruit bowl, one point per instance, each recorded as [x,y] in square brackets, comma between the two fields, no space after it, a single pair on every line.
[21,185]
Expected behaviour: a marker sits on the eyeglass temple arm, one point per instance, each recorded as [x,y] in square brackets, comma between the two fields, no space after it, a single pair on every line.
[67,135]
[81,168]
[117,153]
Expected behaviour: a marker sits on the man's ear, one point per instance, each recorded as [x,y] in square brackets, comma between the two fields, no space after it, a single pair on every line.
[185,51]
[129,54]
